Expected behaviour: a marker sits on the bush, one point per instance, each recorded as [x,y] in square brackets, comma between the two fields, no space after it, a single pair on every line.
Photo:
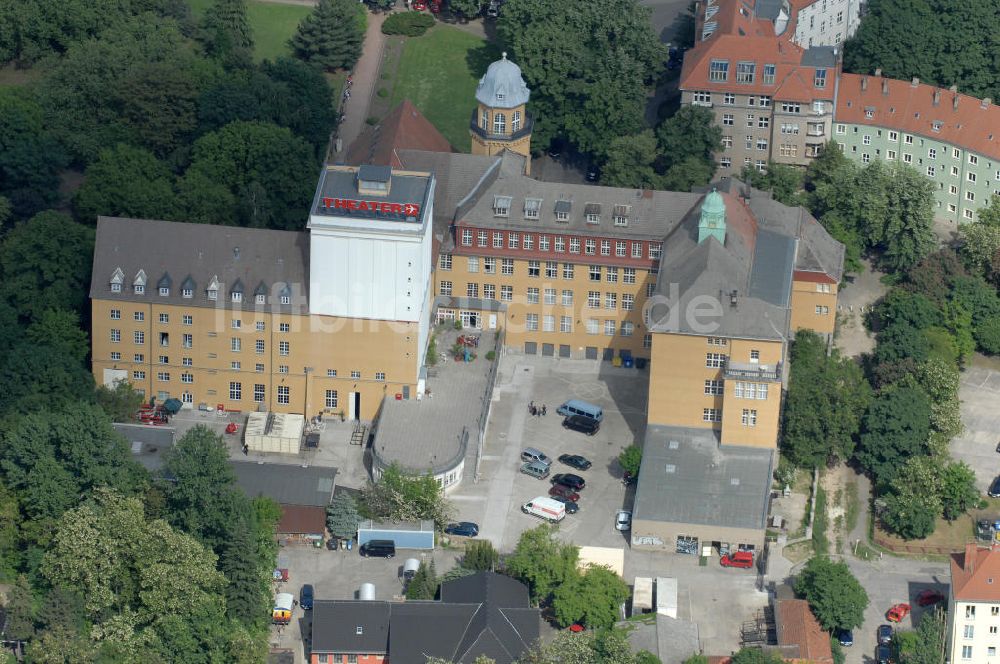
[409,24]
[988,335]
[491,355]
[382,92]
[372,120]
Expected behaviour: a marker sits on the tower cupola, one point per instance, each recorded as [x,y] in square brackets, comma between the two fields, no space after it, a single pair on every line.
[713,218]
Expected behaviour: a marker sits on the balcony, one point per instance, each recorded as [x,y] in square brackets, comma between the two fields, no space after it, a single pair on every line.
[753,371]
[486,135]
[816,130]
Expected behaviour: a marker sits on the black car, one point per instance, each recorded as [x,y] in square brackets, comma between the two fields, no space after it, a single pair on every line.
[574,482]
[994,490]
[884,634]
[571,507]
[306,596]
[462,529]
[845,637]
[378,549]
[575,461]
[593,173]
[882,654]
[583,424]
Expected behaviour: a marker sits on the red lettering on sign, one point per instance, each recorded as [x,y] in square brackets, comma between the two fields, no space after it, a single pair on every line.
[400,209]
[327,202]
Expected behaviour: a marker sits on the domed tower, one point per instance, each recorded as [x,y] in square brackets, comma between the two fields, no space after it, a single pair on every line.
[501,120]
[712,222]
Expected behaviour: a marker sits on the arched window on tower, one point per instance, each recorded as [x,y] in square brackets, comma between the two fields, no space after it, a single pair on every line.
[499,123]
[515,122]
[484,120]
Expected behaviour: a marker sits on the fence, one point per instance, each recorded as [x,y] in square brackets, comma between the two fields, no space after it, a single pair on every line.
[898,547]
[484,412]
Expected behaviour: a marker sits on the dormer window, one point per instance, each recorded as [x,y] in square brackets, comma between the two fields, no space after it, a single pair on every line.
[116,288]
[621,213]
[117,278]
[562,210]
[500,96]
[285,295]
[532,206]
[501,206]
[260,299]
[213,288]
[187,293]
[236,297]
[869,113]
[139,285]
[592,212]
[164,291]
[936,126]
[286,299]
[213,294]
[139,289]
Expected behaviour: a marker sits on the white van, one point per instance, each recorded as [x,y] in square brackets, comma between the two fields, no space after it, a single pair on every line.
[545,508]
[577,407]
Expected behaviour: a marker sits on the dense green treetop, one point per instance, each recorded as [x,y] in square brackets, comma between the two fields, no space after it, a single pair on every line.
[126,181]
[836,598]
[542,562]
[896,426]
[331,36]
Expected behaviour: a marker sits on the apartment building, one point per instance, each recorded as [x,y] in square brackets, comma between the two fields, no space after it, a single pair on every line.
[825,22]
[974,605]
[773,98]
[953,139]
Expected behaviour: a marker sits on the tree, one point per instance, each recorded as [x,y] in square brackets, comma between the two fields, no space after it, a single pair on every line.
[330,36]
[890,26]
[690,132]
[402,497]
[980,248]
[21,610]
[126,181]
[630,162]
[247,582]
[896,427]
[30,160]
[696,659]
[588,65]
[783,181]
[958,489]
[630,459]
[202,497]
[158,104]
[907,233]
[542,562]
[590,647]
[251,174]
[836,598]
[820,384]
[988,335]
[141,581]
[342,516]
[688,173]
[120,402]
[424,583]
[593,598]
[756,655]
[466,8]
[226,28]
[480,556]
[913,502]
[925,644]
[45,264]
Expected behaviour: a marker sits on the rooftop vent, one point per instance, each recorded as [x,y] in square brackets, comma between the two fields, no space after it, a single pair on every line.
[985,103]
[878,71]
[733,295]
[937,97]
[915,81]
[864,83]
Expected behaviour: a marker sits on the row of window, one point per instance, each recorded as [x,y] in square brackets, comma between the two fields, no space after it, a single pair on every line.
[932,153]
[747,419]
[760,164]
[235,365]
[593,325]
[489,266]
[746,72]
[559,243]
[534,296]
[500,121]
[188,293]
[188,319]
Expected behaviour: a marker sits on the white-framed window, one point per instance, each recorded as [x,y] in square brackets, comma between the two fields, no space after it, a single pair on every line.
[187,319]
[513,241]
[330,399]
[970,176]
[187,378]
[970,196]
[609,328]
[890,154]
[258,393]
[628,275]
[515,121]
[259,368]
[531,322]
[628,301]
[973,159]
[235,391]
[655,250]
[466,237]
[605,247]
[841,129]
[611,300]
[749,417]
[769,71]
[284,394]
[893,136]
[235,344]
[355,374]
[138,357]
[548,323]
[728,120]
[445,288]
[822,288]
[866,139]
[532,295]
[506,293]
[567,298]
[968,631]
[550,296]
[711,414]
[236,323]
[569,269]
[380,376]
[967,213]
[718,71]
[164,318]
[116,336]
[745,72]
[283,348]
[714,387]
[551,270]
[258,346]
[595,272]
[701,97]
[714,360]
[593,326]
[115,356]
[116,314]
[498,240]
[472,289]
[590,247]
[138,337]
[565,323]
[612,274]
[593,299]
[187,340]
[139,375]
[534,268]
[650,287]
[543,243]
[725,162]
[139,316]
[822,310]
[285,299]
[865,158]
[489,265]
[647,341]
[930,171]
[791,107]
[627,328]
[444,262]
[499,123]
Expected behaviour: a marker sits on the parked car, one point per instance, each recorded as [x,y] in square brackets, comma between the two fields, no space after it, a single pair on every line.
[623,520]
[531,454]
[545,508]
[593,173]
[575,461]
[564,491]
[378,549]
[845,637]
[584,424]
[306,596]
[418,5]
[740,559]
[884,635]
[994,490]
[897,612]
[536,469]
[883,654]
[462,529]
[929,597]
[571,507]
[574,482]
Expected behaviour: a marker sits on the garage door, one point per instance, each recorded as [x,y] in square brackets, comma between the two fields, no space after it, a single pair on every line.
[548,350]
[530,348]
[563,350]
[591,353]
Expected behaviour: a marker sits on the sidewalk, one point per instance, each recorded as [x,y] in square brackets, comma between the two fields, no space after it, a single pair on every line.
[366,72]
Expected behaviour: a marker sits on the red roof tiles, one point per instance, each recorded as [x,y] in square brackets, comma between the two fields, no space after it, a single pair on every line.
[964,121]
[405,128]
[975,574]
[797,626]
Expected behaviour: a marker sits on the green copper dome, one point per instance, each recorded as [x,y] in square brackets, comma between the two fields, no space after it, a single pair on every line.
[713,218]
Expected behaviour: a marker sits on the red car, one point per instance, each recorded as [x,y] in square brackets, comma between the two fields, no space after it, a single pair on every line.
[929,597]
[897,612]
[418,5]
[741,559]
[565,492]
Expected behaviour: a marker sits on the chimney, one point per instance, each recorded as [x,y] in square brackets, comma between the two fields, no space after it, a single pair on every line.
[878,71]
[885,87]
[953,88]
[915,81]
[969,562]
[985,103]
[937,97]
[954,102]
[864,83]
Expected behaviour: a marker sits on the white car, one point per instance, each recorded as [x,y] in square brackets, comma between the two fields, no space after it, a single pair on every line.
[623,520]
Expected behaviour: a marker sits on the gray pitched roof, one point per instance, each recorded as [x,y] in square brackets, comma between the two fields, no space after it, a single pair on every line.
[502,86]
[335,626]
[773,260]
[285,483]
[200,251]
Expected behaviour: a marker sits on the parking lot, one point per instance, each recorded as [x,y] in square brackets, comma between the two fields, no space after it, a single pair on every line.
[979,391]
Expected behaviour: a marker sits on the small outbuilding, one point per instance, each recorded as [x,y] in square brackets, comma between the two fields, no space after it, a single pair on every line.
[274,432]
[302,491]
[603,556]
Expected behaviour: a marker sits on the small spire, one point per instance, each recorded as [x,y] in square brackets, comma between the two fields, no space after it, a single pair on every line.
[504,55]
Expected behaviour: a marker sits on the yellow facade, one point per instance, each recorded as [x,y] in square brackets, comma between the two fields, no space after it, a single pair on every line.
[502,129]
[277,362]
[814,306]
[752,402]
[677,380]
[541,308]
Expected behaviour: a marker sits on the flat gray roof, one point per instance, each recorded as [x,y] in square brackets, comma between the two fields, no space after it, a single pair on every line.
[687,477]
[285,483]
[148,442]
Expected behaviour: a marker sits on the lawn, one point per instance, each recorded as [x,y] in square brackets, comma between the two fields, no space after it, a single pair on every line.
[439,72]
[272,25]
